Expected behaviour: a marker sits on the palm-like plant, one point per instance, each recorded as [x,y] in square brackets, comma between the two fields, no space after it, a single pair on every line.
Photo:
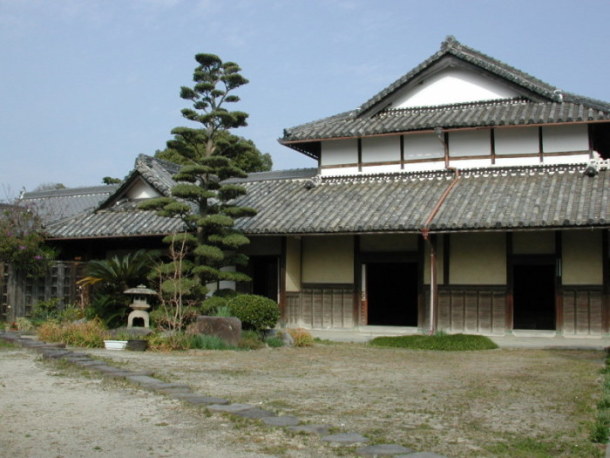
[110,277]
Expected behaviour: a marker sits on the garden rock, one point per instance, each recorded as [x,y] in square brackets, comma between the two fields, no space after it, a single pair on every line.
[226,328]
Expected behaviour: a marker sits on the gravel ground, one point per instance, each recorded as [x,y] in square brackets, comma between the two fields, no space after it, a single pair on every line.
[458,404]
[492,403]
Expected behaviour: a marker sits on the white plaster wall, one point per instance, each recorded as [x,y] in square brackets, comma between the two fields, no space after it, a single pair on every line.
[469,163]
[517,161]
[558,139]
[339,171]
[567,159]
[470,143]
[141,190]
[339,152]
[424,166]
[381,168]
[453,86]
[518,140]
[381,149]
[423,146]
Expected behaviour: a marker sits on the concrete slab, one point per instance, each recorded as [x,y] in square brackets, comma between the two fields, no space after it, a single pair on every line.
[281,421]
[229,408]
[311,429]
[256,413]
[383,450]
[346,438]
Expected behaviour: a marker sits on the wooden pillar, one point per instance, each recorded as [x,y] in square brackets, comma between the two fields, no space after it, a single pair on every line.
[509,323]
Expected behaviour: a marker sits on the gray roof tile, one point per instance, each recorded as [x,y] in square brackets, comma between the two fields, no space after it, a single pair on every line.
[57,204]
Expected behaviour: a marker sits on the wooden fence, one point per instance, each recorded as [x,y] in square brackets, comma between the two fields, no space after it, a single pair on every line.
[19,293]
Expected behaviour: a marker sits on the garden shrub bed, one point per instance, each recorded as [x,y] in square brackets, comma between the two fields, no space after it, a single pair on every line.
[440,342]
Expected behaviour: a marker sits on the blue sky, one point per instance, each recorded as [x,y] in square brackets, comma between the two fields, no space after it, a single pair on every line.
[87,85]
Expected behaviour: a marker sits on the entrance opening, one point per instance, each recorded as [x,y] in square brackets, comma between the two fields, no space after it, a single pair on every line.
[392,293]
[534,297]
[264,273]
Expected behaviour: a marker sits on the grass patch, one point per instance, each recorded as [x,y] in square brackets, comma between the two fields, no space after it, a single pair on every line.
[6,344]
[440,342]
[601,428]
[207,342]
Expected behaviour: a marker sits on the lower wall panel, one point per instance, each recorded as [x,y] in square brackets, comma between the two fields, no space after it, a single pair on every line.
[476,309]
[319,308]
[583,310]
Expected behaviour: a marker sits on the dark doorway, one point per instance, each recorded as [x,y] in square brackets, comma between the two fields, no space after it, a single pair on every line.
[534,297]
[264,273]
[392,293]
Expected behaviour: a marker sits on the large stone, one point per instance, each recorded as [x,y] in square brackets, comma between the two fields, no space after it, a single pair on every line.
[226,328]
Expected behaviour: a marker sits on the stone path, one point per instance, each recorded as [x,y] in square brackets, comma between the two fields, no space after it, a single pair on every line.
[184,393]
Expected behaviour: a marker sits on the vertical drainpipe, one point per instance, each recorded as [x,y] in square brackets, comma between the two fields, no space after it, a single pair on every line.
[425,231]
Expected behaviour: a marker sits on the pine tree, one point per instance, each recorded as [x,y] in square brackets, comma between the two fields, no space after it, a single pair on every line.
[202,198]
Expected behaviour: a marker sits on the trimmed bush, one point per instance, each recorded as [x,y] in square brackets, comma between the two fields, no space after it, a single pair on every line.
[256,313]
[212,304]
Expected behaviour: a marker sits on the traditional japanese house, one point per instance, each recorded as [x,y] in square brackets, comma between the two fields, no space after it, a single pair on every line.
[467,196]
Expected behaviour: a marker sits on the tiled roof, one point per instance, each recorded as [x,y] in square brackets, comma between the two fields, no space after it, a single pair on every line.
[483,199]
[123,220]
[58,204]
[540,103]
[496,113]
[497,198]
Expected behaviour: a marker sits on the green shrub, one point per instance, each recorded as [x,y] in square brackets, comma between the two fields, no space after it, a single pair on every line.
[223,312]
[206,342]
[250,340]
[441,342]
[211,305]
[256,313]
[274,341]
[226,293]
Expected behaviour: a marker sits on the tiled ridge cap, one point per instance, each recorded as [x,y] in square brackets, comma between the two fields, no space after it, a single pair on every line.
[524,170]
[453,106]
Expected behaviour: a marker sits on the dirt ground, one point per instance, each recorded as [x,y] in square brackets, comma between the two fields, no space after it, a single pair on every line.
[492,403]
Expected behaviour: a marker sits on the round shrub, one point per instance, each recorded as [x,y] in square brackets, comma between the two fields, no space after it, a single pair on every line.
[255,312]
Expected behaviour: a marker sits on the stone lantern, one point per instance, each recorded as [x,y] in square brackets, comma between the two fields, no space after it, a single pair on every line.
[139,305]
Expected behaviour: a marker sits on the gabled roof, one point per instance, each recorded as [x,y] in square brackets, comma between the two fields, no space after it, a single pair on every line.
[156,172]
[58,204]
[538,103]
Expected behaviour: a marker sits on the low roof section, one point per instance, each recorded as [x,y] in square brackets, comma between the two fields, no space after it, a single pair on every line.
[300,202]
[57,204]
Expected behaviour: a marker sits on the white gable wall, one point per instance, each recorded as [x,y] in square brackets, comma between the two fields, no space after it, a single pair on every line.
[453,85]
[141,190]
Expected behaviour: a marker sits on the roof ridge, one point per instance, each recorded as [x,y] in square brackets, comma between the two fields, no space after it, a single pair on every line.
[70,191]
[451,46]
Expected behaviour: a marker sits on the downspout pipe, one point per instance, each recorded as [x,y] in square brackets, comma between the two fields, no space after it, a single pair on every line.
[425,231]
